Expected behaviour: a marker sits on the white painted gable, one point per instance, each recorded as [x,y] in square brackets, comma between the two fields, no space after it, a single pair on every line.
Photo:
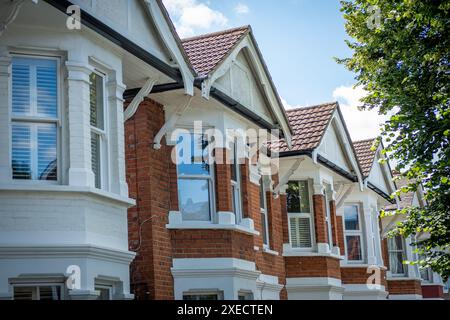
[378,176]
[240,83]
[333,150]
[131,19]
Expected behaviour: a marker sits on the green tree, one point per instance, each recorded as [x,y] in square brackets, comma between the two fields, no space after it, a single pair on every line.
[400,56]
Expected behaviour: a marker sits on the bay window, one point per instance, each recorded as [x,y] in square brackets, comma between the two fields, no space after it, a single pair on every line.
[397,255]
[353,233]
[34,118]
[299,208]
[195,178]
[98,128]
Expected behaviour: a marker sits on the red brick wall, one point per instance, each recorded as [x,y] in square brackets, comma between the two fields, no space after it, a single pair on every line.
[151,185]
[433,292]
[314,267]
[355,275]
[223,182]
[340,234]
[405,287]
[189,244]
[334,225]
[319,219]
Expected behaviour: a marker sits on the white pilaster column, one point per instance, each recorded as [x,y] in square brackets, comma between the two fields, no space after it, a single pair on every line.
[371,259]
[80,169]
[376,229]
[5,115]
[118,183]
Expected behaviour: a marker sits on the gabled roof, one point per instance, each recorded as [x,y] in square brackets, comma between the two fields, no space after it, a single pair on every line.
[211,54]
[365,155]
[205,52]
[309,125]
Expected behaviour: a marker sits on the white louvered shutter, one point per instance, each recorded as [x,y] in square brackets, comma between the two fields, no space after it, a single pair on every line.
[300,228]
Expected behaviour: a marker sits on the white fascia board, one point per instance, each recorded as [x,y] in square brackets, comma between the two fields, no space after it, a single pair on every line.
[172,44]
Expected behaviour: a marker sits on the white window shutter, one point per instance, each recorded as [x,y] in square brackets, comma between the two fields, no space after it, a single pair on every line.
[47,89]
[21,87]
[21,151]
[300,232]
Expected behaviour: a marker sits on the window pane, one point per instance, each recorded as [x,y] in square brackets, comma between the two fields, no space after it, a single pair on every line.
[96,100]
[293,197]
[21,87]
[396,263]
[34,83]
[25,293]
[200,297]
[262,202]
[105,293]
[47,164]
[234,162]
[264,228]
[298,197]
[46,88]
[192,155]
[304,197]
[95,160]
[194,199]
[351,218]
[395,243]
[50,293]
[354,252]
[21,152]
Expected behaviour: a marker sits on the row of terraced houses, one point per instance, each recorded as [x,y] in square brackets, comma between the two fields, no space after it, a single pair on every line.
[96,98]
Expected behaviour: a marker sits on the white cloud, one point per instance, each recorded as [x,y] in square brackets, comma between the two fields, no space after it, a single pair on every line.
[241,8]
[361,124]
[288,106]
[193,16]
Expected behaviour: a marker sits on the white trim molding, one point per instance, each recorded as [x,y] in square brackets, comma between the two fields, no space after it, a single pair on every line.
[314,288]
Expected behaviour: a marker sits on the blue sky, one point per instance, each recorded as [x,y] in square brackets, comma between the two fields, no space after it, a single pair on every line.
[298,39]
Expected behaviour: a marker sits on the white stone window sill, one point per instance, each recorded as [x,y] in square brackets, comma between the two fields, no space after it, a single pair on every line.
[306,253]
[211,226]
[400,278]
[68,189]
[269,251]
[176,223]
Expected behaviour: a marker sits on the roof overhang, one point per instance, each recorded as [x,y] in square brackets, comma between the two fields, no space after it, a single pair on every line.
[249,44]
[183,75]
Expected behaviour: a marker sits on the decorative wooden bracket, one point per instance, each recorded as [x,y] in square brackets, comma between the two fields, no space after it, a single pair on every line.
[285,179]
[171,122]
[145,91]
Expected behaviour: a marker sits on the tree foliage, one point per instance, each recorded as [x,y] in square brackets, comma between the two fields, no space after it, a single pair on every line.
[401,57]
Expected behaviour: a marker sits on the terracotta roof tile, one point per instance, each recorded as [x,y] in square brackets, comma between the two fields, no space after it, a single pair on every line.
[206,51]
[406,199]
[365,155]
[309,125]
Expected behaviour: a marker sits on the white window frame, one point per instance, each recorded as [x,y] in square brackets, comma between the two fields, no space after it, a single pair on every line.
[359,233]
[109,288]
[103,136]
[310,216]
[405,257]
[236,186]
[34,121]
[211,181]
[265,212]
[218,293]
